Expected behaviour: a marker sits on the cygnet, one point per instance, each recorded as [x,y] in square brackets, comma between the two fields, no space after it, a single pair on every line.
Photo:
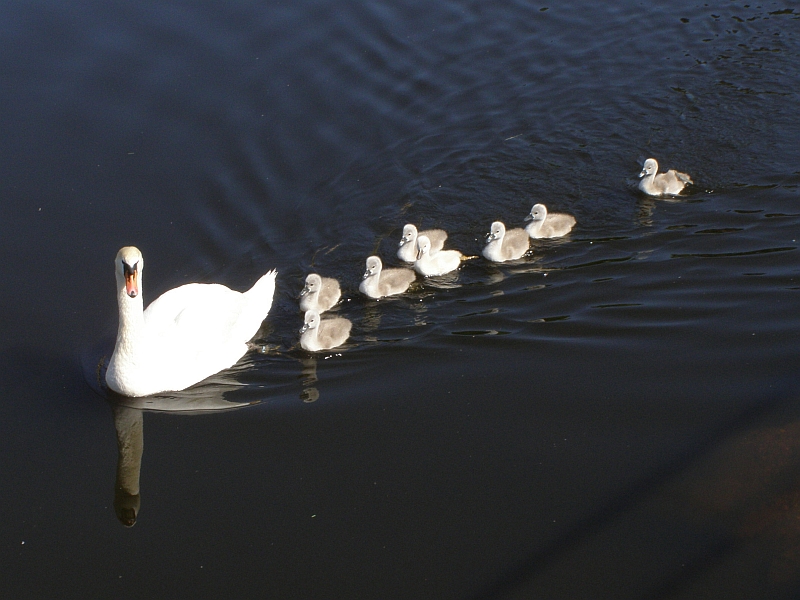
[317,334]
[548,225]
[506,244]
[319,293]
[408,243]
[440,263]
[659,184]
[379,282]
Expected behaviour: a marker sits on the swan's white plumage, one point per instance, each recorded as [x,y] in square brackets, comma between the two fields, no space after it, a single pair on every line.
[506,244]
[440,263]
[187,334]
[548,225]
[408,243]
[659,184]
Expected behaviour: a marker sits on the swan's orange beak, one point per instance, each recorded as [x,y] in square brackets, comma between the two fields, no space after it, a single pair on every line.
[132,280]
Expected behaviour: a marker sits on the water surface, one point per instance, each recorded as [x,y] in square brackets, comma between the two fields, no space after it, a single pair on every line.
[612,416]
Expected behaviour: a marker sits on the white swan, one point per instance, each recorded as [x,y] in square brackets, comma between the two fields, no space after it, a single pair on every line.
[185,335]
[440,263]
[548,225]
[317,334]
[379,282]
[659,184]
[408,243]
[506,245]
[319,293]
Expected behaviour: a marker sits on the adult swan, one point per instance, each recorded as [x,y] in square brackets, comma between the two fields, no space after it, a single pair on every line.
[184,336]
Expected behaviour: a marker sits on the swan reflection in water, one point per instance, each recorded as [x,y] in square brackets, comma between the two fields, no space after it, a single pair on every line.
[129,422]
[130,437]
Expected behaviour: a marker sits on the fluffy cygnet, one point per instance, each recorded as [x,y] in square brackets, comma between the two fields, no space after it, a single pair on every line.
[318,334]
[440,263]
[506,244]
[548,225]
[379,282]
[408,243]
[659,184]
[319,293]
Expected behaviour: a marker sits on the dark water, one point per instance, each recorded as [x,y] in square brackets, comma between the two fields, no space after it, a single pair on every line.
[612,417]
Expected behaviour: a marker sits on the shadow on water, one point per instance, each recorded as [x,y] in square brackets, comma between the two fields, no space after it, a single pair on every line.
[745,473]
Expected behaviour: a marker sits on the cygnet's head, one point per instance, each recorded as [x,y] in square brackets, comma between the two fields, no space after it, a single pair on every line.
[313,284]
[311,321]
[423,246]
[497,232]
[374,266]
[129,265]
[409,234]
[650,167]
[538,213]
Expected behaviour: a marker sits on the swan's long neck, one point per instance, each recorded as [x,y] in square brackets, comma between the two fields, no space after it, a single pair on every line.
[131,320]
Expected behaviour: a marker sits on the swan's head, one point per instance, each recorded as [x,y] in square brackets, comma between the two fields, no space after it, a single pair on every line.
[129,263]
[374,266]
[313,284]
[650,167]
[127,507]
[409,234]
[538,213]
[423,246]
[497,232]
[311,321]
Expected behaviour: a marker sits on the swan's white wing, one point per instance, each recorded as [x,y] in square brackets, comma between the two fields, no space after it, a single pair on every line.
[207,309]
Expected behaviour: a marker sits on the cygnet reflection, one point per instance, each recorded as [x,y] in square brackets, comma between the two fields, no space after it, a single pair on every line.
[308,377]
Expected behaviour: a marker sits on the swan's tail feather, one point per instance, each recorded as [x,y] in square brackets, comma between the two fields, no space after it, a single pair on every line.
[257,306]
